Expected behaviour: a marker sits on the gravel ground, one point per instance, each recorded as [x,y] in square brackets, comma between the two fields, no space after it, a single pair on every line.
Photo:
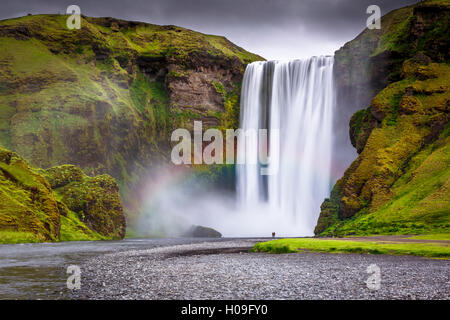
[225,270]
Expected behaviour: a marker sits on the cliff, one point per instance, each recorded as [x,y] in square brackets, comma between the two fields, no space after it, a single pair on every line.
[106,97]
[57,204]
[399,183]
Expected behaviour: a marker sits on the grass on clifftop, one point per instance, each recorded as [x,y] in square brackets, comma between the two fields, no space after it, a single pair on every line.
[430,250]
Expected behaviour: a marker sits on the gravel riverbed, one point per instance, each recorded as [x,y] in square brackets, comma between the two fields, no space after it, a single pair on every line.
[226,270]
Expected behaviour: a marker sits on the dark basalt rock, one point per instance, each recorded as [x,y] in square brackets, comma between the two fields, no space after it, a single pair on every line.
[202,232]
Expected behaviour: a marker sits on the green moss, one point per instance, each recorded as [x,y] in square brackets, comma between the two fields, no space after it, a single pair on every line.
[395,28]
[26,200]
[139,92]
[157,41]
[419,203]
[34,206]
[72,229]
[441,236]
[177,74]
[392,117]
[329,216]
[356,123]
[229,49]
[220,89]
[17,237]
[230,118]
[96,203]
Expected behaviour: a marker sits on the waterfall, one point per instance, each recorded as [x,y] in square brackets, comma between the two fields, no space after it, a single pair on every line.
[294,99]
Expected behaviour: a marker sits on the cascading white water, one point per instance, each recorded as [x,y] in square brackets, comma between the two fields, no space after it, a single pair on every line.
[297,99]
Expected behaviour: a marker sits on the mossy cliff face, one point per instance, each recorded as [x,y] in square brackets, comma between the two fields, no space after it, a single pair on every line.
[371,61]
[400,181]
[374,59]
[56,204]
[95,200]
[27,203]
[106,97]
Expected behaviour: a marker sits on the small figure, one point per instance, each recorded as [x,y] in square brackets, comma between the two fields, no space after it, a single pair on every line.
[273,234]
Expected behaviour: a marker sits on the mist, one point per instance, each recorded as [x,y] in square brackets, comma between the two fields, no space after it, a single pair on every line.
[173,200]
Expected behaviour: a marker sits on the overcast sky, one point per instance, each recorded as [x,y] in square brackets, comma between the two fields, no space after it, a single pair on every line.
[274,29]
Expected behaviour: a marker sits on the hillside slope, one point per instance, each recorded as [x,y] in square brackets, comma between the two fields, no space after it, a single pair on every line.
[400,181]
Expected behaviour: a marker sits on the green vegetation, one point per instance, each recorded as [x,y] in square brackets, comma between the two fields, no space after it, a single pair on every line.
[229,49]
[72,229]
[152,101]
[442,236]
[230,118]
[431,250]
[7,237]
[25,200]
[57,204]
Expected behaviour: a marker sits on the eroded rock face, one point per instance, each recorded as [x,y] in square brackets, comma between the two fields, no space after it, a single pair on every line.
[27,203]
[121,90]
[374,59]
[95,200]
[429,29]
[371,61]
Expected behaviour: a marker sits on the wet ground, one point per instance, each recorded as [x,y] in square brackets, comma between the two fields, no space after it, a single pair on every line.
[39,270]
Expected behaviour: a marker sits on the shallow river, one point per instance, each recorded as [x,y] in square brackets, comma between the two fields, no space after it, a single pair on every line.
[39,270]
